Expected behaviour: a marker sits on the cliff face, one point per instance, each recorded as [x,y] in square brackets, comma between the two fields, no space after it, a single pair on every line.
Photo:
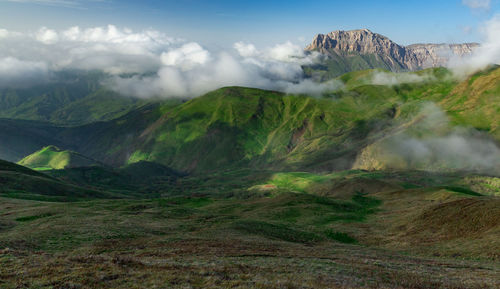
[363,42]
[435,55]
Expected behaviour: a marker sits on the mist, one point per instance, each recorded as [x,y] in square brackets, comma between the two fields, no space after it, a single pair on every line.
[433,144]
[488,53]
[393,79]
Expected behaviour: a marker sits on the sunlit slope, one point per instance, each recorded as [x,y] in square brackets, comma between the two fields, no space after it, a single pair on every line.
[52,157]
[237,127]
[20,182]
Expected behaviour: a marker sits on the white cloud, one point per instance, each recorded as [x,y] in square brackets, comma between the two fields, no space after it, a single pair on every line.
[477,4]
[246,49]
[391,79]
[486,54]
[286,52]
[4,33]
[47,36]
[186,56]
[15,72]
[433,143]
[162,66]
[106,48]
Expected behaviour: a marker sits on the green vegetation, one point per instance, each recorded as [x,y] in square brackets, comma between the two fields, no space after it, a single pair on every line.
[244,188]
[75,98]
[339,236]
[281,232]
[52,157]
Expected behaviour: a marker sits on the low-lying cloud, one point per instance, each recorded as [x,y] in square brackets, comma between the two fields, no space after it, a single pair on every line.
[486,54]
[17,73]
[392,79]
[432,143]
[155,64]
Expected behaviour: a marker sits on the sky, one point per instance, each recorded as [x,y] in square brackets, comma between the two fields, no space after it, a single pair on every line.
[185,48]
[220,23]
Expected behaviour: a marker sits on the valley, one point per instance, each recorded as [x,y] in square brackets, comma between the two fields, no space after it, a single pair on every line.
[136,160]
[244,187]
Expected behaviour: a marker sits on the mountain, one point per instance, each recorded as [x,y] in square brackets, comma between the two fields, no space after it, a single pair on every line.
[435,55]
[362,49]
[52,157]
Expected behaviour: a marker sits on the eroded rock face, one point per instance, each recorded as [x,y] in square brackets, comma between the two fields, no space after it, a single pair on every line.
[435,55]
[365,42]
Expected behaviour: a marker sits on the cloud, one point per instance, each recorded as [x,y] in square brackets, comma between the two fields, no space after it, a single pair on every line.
[477,4]
[190,70]
[246,49]
[15,72]
[392,79]
[432,143]
[47,36]
[108,48]
[148,63]
[186,56]
[486,54]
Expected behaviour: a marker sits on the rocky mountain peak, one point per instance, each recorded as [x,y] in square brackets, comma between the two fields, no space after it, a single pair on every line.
[340,43]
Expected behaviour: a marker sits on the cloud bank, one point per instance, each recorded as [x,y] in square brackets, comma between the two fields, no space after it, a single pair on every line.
[393,79]
[155,64]
[486,54]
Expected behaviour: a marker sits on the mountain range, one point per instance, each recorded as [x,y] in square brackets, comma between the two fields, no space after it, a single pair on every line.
[362,49]
[380,182]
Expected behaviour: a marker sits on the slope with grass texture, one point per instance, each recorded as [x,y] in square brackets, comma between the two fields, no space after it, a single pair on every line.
[52,157]
[238,127]
[23,183]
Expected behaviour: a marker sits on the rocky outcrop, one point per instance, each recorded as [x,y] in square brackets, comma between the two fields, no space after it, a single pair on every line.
[395,56]
[435,55]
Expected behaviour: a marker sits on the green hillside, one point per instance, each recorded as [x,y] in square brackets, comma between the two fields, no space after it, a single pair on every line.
[244,187]
[238,127]
[52,157]
[70,98]
[22,183]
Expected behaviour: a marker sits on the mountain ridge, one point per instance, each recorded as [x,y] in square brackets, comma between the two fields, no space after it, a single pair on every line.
[344,46]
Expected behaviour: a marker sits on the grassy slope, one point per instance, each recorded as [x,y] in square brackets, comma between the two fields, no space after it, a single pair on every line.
[337,64]
[234,127]
[20,182]
[72,98]
[51,157]
[320,237]
[261,227]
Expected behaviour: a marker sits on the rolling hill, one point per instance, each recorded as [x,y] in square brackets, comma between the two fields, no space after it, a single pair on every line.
[242,127]
[70,97]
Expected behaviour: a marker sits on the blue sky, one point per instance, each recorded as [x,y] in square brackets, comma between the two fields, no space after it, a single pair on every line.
[222,22]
